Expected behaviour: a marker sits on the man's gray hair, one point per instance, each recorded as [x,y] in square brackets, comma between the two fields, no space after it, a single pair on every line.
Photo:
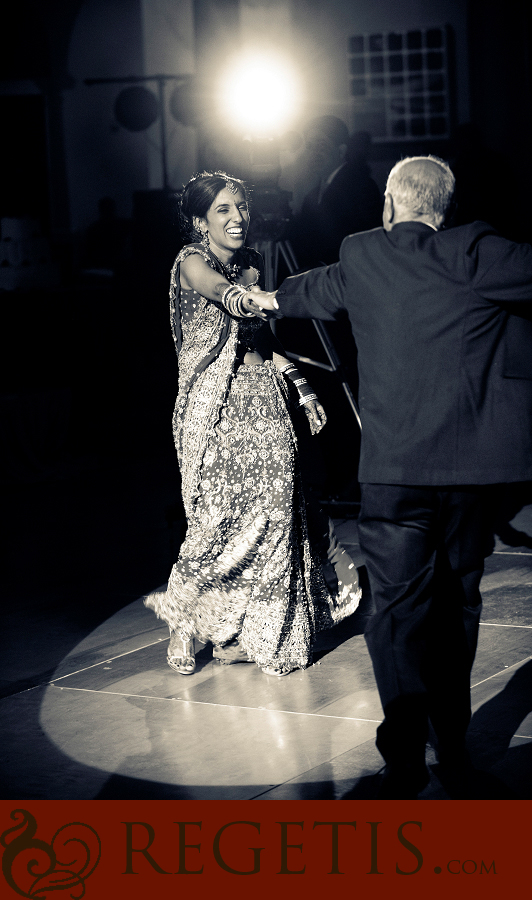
[423,184]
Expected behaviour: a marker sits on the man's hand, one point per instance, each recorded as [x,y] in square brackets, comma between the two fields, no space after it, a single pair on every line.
[261,303]
[252,309]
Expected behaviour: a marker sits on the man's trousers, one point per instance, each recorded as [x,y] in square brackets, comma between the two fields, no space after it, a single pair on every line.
[424,549]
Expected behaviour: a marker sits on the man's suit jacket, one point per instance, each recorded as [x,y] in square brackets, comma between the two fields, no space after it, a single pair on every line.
[444,350]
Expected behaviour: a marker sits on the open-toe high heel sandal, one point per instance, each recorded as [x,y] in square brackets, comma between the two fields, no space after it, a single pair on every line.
[180,655]
[277,670]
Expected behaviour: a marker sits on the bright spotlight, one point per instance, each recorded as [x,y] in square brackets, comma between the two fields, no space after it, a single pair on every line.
[259,95]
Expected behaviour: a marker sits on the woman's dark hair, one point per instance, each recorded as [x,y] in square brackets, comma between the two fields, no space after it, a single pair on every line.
[198,196]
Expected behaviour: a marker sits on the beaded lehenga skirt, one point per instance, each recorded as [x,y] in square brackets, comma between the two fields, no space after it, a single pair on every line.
[246,567]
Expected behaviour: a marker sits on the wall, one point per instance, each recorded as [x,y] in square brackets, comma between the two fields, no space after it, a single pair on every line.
[168,48]
[103,159]
[120,38]
[321,32]
[115,39]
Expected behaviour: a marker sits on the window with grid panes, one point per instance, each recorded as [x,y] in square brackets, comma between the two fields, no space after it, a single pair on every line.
[399,84]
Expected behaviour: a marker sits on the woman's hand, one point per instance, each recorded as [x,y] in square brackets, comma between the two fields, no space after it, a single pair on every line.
[261,303]
[315,414]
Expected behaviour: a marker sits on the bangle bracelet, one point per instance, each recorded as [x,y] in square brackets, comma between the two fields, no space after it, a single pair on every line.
[230,299]
[233,301]
[307,399]
[241,307]
[227,297]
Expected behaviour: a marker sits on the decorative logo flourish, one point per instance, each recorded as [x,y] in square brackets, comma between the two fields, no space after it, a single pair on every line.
[33,868]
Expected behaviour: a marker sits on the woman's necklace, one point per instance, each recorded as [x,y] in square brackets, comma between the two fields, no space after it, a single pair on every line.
[230,270]
[233,270]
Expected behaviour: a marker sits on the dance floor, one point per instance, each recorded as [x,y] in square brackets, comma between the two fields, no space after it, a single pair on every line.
[110,720]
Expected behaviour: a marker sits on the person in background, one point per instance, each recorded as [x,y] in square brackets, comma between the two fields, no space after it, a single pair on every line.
[345,198]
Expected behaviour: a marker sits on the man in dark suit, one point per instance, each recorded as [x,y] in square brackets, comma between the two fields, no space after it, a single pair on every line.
[345,199]
[445,372]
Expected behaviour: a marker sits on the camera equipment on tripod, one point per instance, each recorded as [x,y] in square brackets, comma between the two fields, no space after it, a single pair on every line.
[271,214]
[271,211]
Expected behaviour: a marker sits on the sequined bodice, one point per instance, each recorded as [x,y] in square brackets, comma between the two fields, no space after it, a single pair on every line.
[201,323]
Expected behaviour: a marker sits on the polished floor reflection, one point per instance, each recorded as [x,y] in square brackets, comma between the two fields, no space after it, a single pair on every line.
[111,720]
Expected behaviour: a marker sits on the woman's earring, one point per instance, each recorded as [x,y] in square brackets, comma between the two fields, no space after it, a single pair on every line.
[205,239]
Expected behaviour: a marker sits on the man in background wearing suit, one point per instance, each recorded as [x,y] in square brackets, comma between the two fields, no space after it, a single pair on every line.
[445,373]
[345,199]
[341,198]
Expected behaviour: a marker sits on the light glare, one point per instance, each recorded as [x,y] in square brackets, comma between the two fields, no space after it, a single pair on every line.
[260,95]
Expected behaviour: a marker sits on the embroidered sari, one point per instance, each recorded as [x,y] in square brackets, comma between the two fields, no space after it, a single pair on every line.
[246,567]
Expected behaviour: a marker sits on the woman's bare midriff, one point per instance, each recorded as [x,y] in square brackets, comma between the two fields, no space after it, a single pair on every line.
[252,358]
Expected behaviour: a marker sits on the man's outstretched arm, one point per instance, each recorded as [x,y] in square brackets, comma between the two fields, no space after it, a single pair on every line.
[316,294]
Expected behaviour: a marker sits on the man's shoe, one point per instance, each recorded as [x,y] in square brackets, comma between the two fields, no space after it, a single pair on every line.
[402,783]
[457,774]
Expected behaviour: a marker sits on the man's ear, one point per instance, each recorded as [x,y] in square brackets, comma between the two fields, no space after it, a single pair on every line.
[388,212]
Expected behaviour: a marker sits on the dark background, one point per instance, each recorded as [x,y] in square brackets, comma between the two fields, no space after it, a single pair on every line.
[92,510]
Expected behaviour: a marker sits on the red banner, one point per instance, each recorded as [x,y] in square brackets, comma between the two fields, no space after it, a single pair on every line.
[103,850]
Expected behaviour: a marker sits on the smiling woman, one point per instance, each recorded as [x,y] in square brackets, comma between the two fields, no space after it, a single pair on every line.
[246,578]
[226,222]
